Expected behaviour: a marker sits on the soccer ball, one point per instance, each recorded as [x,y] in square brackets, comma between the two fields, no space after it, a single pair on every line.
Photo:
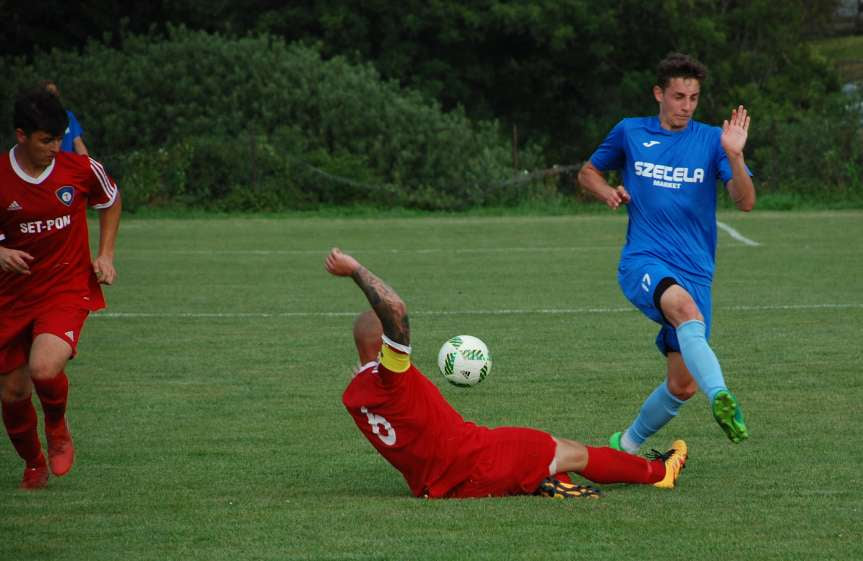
[464,361]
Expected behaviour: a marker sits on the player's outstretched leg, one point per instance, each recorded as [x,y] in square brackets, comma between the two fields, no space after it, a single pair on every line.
[729,416]
[658,409]
[674,460]
[704,367]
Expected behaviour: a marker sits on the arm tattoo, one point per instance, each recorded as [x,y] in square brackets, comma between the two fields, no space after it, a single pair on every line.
[388,306]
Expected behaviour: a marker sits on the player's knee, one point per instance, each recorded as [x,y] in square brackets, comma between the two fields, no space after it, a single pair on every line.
[15,388]
[41,369]
[678,306]
[682,390]
[570,455]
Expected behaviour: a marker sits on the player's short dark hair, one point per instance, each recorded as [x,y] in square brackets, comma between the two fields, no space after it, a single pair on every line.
[679,65]
[39,110]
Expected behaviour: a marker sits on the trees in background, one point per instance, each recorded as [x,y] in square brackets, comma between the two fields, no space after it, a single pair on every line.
[253,123]
[559,72]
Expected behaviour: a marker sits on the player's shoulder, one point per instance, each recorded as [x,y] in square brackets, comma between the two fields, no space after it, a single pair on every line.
[705,129]
[637,123]
[71,160]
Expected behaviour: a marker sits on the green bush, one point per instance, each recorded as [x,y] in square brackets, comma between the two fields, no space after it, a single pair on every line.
[818,155]
[254,122]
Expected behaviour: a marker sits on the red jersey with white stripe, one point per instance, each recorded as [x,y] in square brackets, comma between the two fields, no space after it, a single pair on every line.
[46,217]
[409,422]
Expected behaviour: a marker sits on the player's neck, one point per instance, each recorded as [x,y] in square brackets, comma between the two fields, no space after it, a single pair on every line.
[26,164]
[668,125]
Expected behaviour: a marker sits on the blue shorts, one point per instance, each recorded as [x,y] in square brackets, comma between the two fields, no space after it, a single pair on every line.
[639,279]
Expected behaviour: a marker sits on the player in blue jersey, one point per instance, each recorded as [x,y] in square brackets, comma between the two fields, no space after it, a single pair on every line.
[669,165]
[72,137]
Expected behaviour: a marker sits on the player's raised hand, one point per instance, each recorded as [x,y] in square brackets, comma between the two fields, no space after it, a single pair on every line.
[340,264]
[616,197]
[15,260]
[735,131]
[103,266]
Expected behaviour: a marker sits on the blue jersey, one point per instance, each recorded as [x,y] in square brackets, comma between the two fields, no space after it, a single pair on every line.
[73,131]
[671,179]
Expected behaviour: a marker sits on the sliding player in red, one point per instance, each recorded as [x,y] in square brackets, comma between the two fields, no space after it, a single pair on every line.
[48,283]
[408,421]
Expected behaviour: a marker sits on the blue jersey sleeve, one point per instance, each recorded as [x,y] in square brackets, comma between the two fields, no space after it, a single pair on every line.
[75,128]
[73,131]
[611,154]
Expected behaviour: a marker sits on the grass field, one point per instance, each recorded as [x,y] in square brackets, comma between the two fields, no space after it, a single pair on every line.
[206,401]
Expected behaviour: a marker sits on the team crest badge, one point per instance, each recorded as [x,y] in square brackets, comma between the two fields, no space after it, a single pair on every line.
[66,194]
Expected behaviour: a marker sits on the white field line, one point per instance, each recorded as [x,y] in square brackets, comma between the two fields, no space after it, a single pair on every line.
[419,250]
[323,252]
[502,312]
[735,234]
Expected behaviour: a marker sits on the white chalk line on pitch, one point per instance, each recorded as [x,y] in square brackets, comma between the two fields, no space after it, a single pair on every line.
[324,252]
[450,250]
[736,235]
[502,312]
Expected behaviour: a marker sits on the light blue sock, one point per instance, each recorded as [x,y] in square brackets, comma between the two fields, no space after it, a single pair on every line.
[659,408]
[699,358]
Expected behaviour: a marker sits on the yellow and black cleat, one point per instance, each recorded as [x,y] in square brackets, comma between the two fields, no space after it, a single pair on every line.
[674,460]
[552,488]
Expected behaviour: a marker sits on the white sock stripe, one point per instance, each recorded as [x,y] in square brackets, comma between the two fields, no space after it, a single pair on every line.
[735,234]
[513,312]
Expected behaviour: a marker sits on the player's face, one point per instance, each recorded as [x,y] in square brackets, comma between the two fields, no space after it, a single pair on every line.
[677,102]
[39,147]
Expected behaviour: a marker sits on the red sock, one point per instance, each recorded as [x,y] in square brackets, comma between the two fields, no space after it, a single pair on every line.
[606,465]
[563,477]
[20,420]
[52,393]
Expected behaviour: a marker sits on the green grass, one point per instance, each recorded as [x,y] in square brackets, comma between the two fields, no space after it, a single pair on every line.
[206,401]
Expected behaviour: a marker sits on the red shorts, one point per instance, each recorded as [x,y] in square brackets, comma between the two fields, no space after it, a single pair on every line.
[513,462]
[18,328]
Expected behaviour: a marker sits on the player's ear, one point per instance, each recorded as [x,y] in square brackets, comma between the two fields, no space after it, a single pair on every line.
[367,335]
[657,94]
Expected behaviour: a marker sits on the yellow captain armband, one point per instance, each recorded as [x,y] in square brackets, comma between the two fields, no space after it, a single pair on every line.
[395,357]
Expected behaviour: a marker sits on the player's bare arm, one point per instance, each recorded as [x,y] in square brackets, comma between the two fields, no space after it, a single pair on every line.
[388,306]
[593,180]
[735,131]
[15,260]
[109,223]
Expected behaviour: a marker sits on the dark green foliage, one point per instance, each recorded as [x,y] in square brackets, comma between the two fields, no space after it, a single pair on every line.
[196,118]
[559,72]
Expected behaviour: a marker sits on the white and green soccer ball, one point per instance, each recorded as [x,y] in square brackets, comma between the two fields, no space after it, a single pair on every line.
[464,360]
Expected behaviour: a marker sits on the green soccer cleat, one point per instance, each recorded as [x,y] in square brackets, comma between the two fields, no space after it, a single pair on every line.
[729,416]
[552,488]
[614,441]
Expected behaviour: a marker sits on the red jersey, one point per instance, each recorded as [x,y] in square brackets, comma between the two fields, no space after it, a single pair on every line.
[47,217]
[409,422]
